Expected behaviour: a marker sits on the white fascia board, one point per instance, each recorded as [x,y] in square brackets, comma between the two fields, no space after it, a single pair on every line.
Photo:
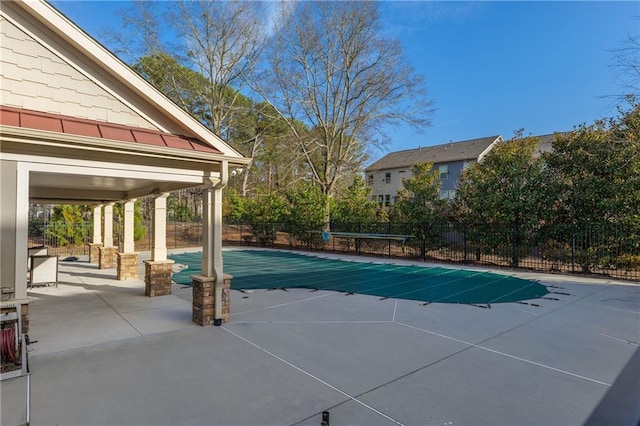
[109,63]
[57,165]
[86,143]
[489,148]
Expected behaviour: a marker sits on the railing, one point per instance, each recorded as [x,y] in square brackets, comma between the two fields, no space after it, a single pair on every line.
[603,250]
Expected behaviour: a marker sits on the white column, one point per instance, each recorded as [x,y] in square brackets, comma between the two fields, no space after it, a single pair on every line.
[216,233]
[14,222]
[207,232]
[159,229]
[108,225]
[129,226]
[97,225]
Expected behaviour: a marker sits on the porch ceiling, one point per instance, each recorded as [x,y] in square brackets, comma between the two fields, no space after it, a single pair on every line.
[54,188]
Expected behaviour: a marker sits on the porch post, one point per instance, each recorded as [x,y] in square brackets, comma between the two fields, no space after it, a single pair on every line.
[128,259]
[14,222]
[159,229]
[108,225]
[208,230]
[108,251]
[96,243]
[211,290]
[158,270]
[128,226]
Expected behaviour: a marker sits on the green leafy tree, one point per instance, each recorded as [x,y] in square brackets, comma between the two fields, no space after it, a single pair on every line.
[178,208]
[68,224]
[505,198]
[306,215]
[597,168]
[263,212]
[233,205]
[419,206]
[355,204]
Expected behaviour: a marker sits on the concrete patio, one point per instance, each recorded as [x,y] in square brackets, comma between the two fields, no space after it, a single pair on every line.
[108,355]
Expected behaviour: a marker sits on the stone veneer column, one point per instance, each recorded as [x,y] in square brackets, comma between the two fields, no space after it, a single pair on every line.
[24,308]
[96,243]
[157,277]
[127,266]
[107,257]
[94,252]
[204,302]
[128,260]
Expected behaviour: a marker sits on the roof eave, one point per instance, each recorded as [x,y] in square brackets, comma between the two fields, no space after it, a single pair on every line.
[43,137]
[74,36]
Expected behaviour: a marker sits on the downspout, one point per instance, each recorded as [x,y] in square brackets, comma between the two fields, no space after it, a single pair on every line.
[217,262]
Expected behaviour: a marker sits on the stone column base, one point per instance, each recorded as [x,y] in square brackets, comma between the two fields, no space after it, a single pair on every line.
[94,252]
[127,266]
[204,300]
[107,257]
[24,308]
[157,277]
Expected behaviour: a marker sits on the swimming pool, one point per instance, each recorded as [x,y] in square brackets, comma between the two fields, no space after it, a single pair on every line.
[266,269]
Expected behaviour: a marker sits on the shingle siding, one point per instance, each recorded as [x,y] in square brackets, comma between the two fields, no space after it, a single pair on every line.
[34,77]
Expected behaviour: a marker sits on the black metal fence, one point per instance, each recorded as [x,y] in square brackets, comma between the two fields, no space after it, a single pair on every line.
[603,250]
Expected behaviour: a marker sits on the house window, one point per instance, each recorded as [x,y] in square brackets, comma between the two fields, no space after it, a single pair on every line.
[444,171]
[387,177]
[381,199]
[387,199]
[447,194]
[395,199]
[370,180]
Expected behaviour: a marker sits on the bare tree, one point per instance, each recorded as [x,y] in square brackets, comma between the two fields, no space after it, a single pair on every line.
[626,67]
[331,69]
[218,40]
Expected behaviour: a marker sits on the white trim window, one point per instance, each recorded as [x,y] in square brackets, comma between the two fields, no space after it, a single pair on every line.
[444,171]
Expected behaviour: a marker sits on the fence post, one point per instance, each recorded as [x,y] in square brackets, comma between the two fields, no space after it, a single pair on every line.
[424,242]
[573,250]
[514,245]
[464,243]
[389,232]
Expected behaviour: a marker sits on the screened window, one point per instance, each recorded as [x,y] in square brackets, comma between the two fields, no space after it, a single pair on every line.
[444,171]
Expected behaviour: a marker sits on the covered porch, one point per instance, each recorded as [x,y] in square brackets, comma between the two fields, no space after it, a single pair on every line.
[91,306]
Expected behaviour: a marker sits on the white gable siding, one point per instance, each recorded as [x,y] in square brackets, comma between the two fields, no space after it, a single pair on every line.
[33,77]
[379,185]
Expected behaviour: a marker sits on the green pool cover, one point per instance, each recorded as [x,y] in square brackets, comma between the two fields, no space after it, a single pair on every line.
[253,269]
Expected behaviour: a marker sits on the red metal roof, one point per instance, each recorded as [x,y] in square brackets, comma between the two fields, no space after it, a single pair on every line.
[19,117]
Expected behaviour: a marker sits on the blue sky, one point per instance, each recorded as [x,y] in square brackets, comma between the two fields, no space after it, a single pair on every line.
[491,67]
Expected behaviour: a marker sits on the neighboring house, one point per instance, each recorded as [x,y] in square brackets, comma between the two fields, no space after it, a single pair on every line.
[545,144]
[385,176]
